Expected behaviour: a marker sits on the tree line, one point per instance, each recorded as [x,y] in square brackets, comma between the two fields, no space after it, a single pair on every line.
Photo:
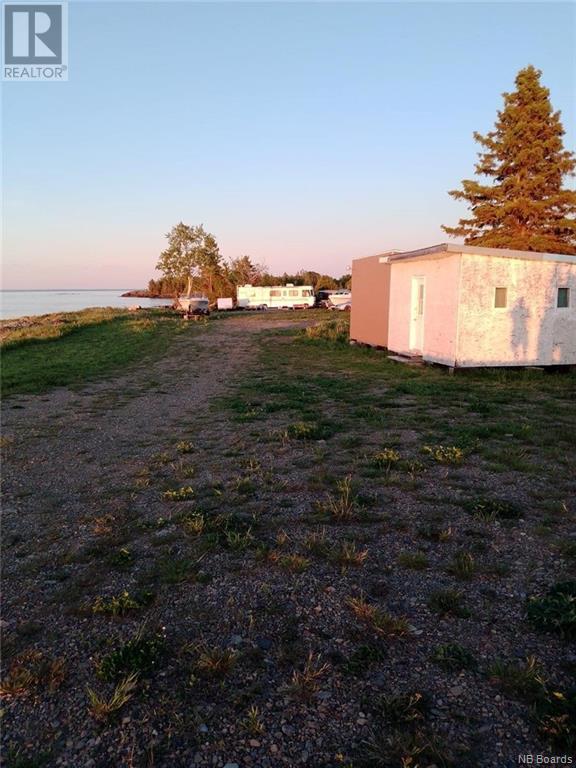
[192,261]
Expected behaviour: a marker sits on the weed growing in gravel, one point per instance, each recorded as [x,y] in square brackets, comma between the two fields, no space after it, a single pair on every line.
[403,709]
[347,555]
[448,602]
[306,430]
[194,524]
[416,561]
[445,454]
[104,525]
[215,661]
[525,682]
[381,622]
[184,446]
[317,543]
[32,671]
[282,538]
[361,658]
[137,656]
[342,507]
[102,709]
[386,459]
[117,605]
[556,610]
[305,682]
[556,718]
[253,721]
[454,657]
[245,486]
[420,748]
[294,563]
[179,494]
[238,540]
[174,570]
[463,565]
[488,510]
[120,605]
[436,533]
[143,478]
[182,469]
[122,558]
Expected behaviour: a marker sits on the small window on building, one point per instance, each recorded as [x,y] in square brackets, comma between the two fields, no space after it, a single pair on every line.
[500,298]
[563,298]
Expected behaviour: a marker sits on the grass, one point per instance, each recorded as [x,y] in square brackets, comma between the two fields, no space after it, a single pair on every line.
[102,708]
[253,721]
[215,661]
[416,561]
[490,509]
[445,454]
[121,604]
[72,348]
[348,555]
[306,681]
[378,620]
[525,682]
[138,656]
[343,506]
[32,672]
[335,330]
[556,610]
[453,657]
[463,565]
[185,493]
[448,602]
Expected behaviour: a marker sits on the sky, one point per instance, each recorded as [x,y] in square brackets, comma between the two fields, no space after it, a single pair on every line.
[302,134]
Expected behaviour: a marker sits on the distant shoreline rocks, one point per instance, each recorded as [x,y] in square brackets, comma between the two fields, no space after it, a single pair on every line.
[145,294]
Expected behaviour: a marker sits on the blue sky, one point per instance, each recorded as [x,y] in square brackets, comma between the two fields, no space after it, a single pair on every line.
[302,134]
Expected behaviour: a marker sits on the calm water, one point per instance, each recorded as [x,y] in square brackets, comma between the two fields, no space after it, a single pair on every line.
[19,303]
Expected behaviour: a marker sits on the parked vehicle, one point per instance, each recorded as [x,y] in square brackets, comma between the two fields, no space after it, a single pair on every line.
[340,300]
[193,303]
[275,296]
[224,304]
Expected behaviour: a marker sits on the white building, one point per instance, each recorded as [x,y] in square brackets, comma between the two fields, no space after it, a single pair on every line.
[464,306]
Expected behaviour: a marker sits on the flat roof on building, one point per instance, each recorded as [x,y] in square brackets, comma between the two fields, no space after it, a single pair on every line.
[505,253]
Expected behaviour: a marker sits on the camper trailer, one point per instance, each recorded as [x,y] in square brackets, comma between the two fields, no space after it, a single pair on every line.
[275,296]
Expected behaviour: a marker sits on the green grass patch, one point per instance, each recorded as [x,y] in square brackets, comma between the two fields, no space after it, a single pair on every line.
[72,348]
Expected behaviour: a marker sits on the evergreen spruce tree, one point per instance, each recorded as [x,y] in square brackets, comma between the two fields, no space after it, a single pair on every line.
[526,206]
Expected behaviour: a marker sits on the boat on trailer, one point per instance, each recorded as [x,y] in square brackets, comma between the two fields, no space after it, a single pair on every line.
[193,302]
[340,299]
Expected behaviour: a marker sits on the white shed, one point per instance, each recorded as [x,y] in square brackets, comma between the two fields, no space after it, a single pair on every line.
[466,306]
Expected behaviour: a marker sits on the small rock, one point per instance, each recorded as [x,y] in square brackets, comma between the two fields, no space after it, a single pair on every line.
[254,743]
[264,643]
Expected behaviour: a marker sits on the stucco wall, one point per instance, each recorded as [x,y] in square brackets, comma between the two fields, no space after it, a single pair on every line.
[531,330]
[441,273]
[370,301]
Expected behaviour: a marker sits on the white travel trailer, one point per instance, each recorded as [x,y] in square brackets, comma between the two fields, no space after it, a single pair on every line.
[275,296]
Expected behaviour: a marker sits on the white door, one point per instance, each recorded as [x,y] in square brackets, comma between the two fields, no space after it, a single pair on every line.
[417,316]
